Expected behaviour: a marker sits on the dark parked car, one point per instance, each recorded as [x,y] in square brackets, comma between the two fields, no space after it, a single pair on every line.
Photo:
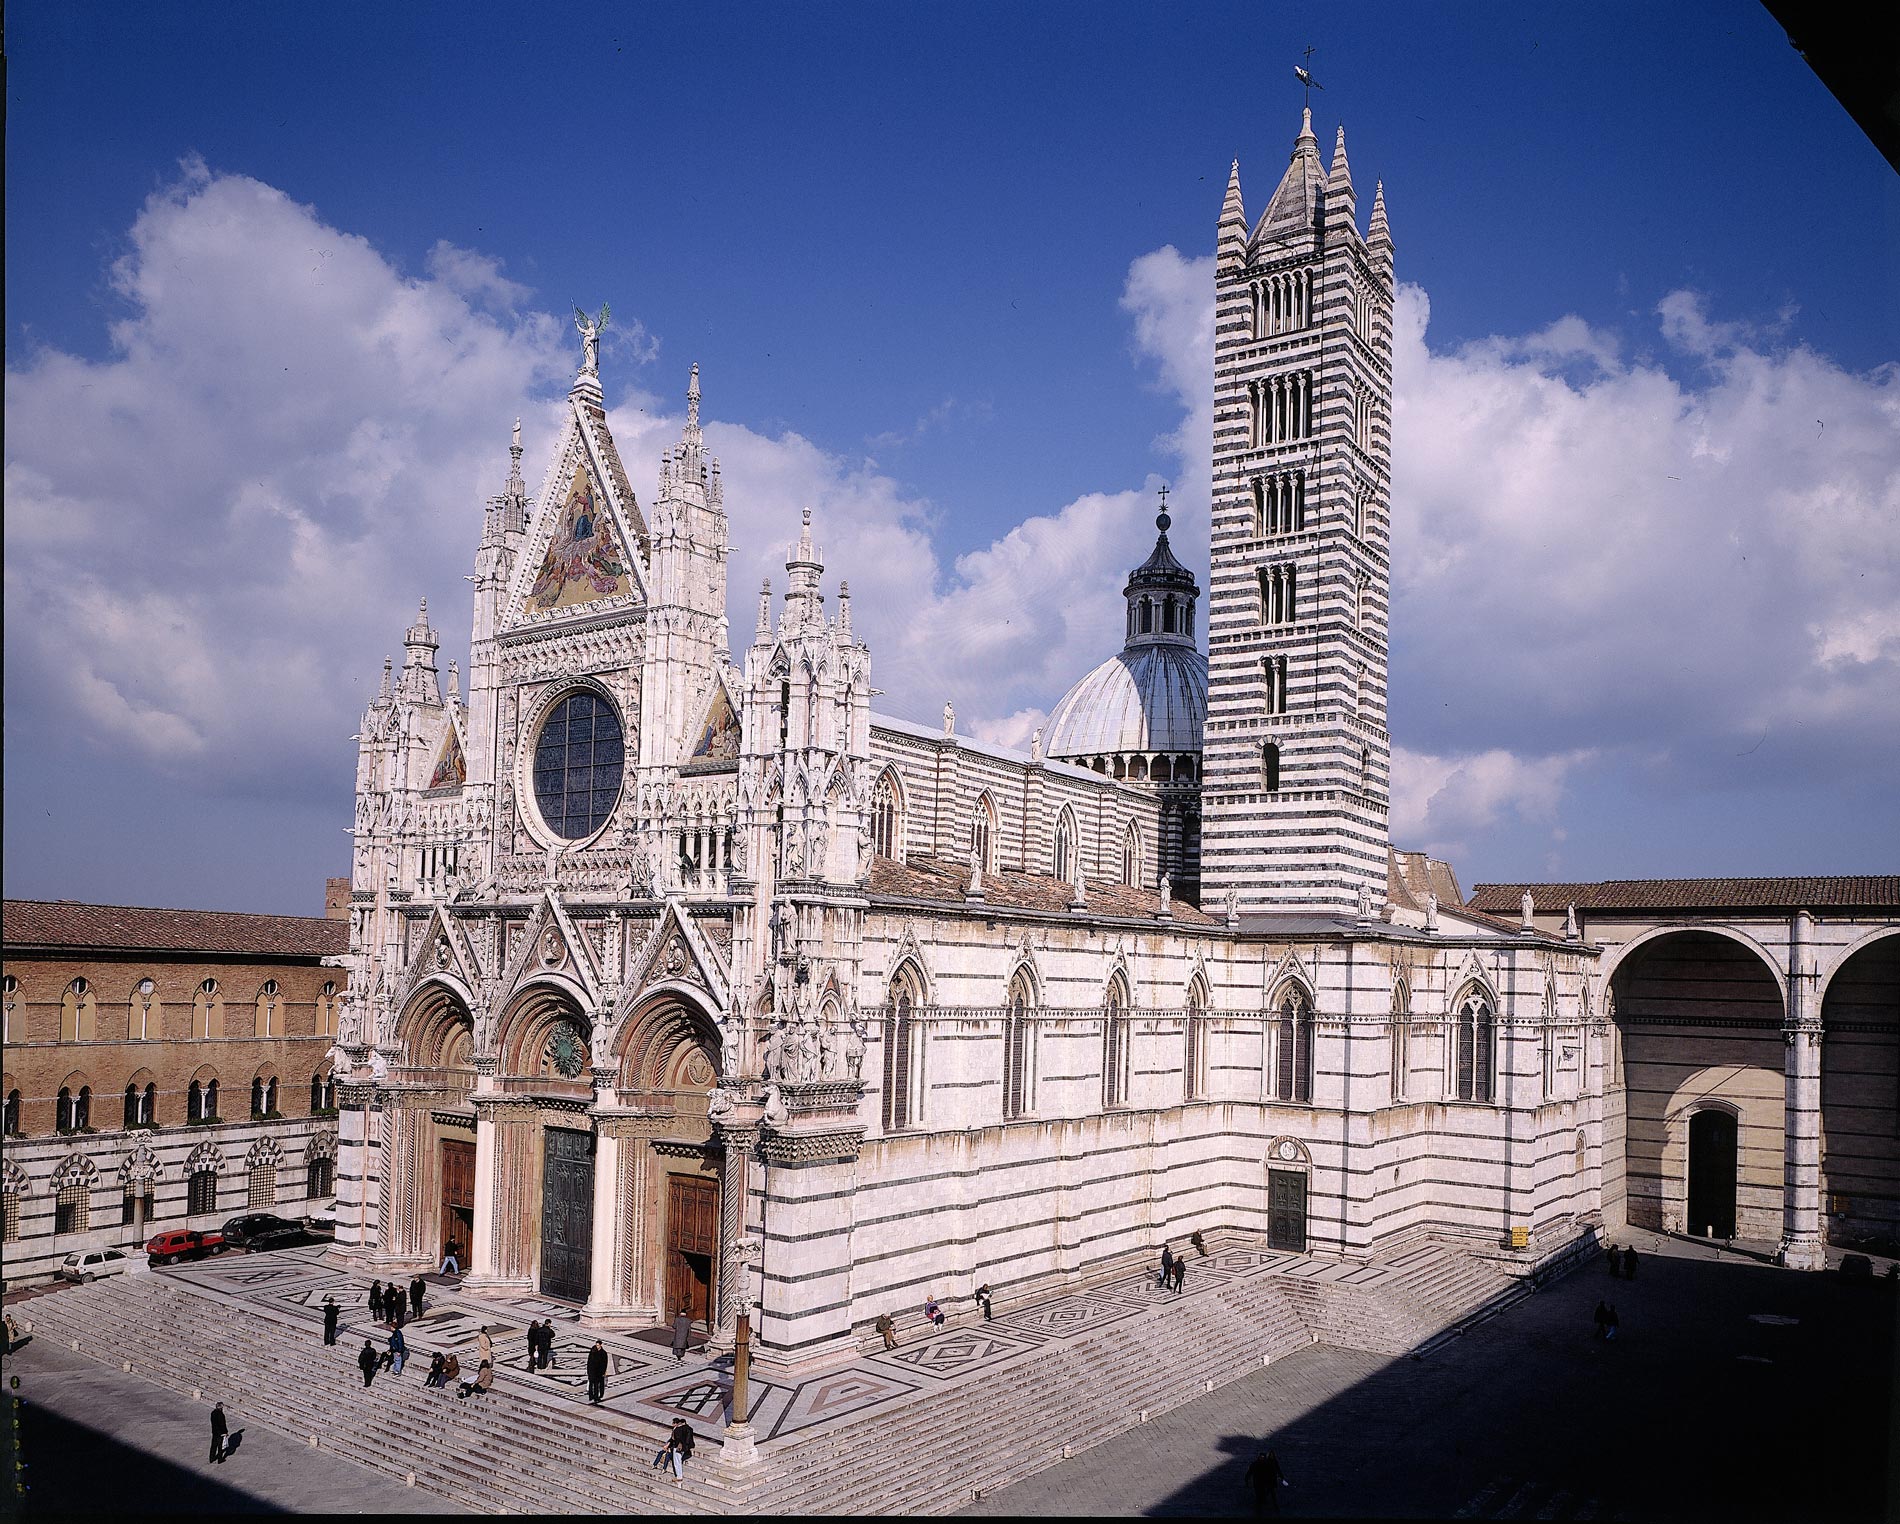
[183,1243]
[260,1230]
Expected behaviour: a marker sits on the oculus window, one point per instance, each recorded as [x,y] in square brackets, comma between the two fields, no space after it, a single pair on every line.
[578,761]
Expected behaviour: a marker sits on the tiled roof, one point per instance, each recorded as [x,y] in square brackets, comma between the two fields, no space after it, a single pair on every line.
[930,878]
[1874,892]
[66,923]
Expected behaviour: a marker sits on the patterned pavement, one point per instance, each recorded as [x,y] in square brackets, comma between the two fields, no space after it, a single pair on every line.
[645,1382]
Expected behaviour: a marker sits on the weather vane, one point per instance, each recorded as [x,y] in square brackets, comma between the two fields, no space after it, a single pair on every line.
[1305,77]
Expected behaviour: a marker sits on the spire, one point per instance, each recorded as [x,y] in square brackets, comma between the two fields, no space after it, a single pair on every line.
[419,680]
[764,635]
[692,401]
[1378,235]
[1342,208]
[1160,593]
[1296,203]
[803,600]
[844,609]
[384,693]
[1232,243]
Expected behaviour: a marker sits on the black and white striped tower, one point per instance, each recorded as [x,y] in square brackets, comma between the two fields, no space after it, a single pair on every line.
[1296,754]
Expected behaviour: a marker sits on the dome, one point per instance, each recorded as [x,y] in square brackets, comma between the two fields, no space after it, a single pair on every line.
[1150,697]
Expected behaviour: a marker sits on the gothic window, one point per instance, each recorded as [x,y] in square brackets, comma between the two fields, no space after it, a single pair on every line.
[1273,675]
[9,992]
[207,1011]
[1365,768]
[268,1002]
[578,760]
[319,1179]
[1270,767]
[983,833]
[1131,856]
[1549,1042]
[1476,1045]
[1401,1038]
[201,1191]
[263,1186]
[884,817]
[1293,1048]
[72,1210]
[1193,1048]
[326,1009]
[132,1117]
[903,1052]
[1115,1044]
[1259,508]
[12,1117]
[1019,1089]
[257,1096]
[145,1014]
[1064,863]
[63,1109]
[1255,416]
[78,1013]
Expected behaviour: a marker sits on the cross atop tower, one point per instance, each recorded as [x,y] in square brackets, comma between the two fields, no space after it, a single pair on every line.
[1162,521]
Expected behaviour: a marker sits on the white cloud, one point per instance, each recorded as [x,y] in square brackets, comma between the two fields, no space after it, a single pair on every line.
[1442,803]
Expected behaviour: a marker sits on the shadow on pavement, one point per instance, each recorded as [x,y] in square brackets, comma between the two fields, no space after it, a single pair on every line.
[71,1469]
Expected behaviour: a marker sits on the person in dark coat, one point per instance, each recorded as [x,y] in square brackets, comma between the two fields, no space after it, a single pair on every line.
[887,1329]
[679,1447]
[1180,1275]
[1266,1479]
[366,1361]
[331,1312]
[547,1344]
[1200,1243]
[1629,1264]
[682,1332]
[1602,1318]
[1609,1323]
[398,1350]
[596,1372]
[438,1370]
[415,1297]
[376,1300]
[983,1300]
[218,1431]
[1615,1260]
[1167,1266]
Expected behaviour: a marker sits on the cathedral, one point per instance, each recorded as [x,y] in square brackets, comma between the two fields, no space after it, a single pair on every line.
[677,981]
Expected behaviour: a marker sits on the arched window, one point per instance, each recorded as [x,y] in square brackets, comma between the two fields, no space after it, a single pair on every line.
[1293,1047]
[1548,1042]
[1115,1045]
[207,1011]
[78,1013]
[983,834]
[319,1178]
[1193,1045]
[270,1096]
[1131,856]
[884,817]
[63,1109]
[145,1013]
[316,1093]
[132,1107]
[201,1190]
[194,1102]
[1270,766]
[12,1127]
[72,1209]
[1476,1048]
[257,1096]
[1259,509]
[903,1052]
[1062,859]
[263,1185]
[326,1009]
[1401,1037]
[9,995]
[268,1004]
[1018,1051]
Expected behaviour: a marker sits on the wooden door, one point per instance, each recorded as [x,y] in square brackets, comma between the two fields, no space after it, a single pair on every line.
[567,1214]
[1286,1210]
[458,1201]
[1712,1160]
[692,1247]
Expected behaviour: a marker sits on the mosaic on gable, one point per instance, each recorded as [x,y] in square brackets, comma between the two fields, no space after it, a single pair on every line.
[585,559]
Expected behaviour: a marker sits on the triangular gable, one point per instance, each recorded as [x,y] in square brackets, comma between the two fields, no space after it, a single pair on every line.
[677,952]
[1290,968]
[717,739]
[581,554]
[451,758]
[551,944]
[442,950]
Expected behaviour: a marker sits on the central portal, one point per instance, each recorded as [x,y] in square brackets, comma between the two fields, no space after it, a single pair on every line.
[567,1214]
[692,1238]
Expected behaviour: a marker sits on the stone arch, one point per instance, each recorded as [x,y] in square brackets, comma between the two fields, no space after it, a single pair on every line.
[1847,953]
[265,1153]
[1613,964]
[74,1169]
[532,1019]
[661,1039]
[207,1155]
[141,1167]
[14,1180]
[1859,1010]
[436,1027]
[322,1145]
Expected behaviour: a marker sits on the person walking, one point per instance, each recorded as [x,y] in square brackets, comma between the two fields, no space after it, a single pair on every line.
[451,1259]
[415,1297]
[376,1301]
[219,1429]
[533,1337]
[888,1329]
[1167,1266]
[1602,1317]
[983,1300]
[366,1362]
[1609,1323]
[1629,1263]
[398,1350]
[680,1446]
[484,1347]
[331,1312]
[596,1372]
[547,1344]
[1180,1275]
[1615,1259]
[1266,1479]
[682,1332]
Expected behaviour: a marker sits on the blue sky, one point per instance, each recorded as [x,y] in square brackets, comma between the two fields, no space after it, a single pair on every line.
[278,279]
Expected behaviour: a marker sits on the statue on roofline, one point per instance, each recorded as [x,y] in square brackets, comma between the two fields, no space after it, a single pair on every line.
[590,332]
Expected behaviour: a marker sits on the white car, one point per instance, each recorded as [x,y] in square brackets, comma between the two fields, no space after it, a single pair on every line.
[93,1263]
[323,1220]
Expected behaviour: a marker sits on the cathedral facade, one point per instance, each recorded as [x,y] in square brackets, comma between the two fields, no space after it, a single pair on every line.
[679,981]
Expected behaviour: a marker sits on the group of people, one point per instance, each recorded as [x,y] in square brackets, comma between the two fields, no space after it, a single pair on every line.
[386,1303]
[1606,1321]
[1622,1263]
[677,1450]
[1173,1273]
[541,1345]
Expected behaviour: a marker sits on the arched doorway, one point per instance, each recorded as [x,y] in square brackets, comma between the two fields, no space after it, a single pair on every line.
[1699,1018]
[1860,1097]
[433,1125]
[1713,1135]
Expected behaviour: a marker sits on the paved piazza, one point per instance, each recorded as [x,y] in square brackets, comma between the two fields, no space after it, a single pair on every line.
[1729,1382]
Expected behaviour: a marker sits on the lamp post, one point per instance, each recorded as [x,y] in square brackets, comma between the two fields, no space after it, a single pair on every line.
[740,1447]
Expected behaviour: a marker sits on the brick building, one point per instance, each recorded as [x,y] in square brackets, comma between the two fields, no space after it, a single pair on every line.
[163,1068]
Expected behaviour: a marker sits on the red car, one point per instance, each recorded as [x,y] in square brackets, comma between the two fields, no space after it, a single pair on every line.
[183,1243]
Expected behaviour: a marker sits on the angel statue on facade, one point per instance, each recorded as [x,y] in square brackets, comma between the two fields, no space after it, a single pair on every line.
[590,331]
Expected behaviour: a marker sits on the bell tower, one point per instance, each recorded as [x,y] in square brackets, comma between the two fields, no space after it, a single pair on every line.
[1296,754]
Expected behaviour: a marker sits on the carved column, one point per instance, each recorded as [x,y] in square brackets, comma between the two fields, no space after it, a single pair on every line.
[1803,1243]
[604,1277]
[481,1252]
[739,1140]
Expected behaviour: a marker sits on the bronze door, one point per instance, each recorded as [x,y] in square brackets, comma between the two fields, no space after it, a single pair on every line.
[692,1240]
[567,1214]
[458,1200]
[1286,1210]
